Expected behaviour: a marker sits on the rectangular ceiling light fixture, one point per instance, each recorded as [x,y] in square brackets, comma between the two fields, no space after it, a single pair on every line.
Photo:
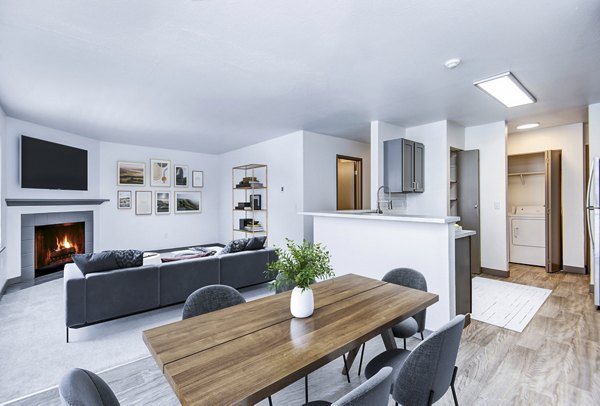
[506,89]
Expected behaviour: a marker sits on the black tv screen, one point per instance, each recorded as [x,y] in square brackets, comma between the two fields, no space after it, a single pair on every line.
[48,165]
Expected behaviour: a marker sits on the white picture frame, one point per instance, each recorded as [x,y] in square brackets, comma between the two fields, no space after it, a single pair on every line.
[124,199]
[188,202]
[143,202]
[181,176]
[162,202]
[131,173]
[197,178]
[160,173]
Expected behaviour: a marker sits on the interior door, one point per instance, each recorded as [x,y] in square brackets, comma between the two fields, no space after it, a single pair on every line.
[467,166]
[553,212]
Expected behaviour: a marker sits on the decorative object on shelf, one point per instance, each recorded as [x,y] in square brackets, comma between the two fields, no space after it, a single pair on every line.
[143,202]
[181,176]
[131,173]
[249,182]
[162,203]
[188,202]
[300,265]
[197,178]
[255,200]
[124,198]
[160,172]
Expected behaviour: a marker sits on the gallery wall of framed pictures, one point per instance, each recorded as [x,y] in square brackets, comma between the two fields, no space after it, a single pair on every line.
[161,176]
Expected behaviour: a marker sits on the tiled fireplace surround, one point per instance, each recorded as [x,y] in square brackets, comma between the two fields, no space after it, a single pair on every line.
[28,223]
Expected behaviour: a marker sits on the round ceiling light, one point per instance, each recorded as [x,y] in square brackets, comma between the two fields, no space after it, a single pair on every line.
[452,63]
[528,126]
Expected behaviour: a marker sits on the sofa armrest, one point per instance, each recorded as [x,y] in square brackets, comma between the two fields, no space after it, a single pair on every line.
[74,291]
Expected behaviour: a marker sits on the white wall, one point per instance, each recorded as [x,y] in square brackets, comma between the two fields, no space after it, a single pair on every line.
[123,228]
[490,140]
[434,201]
[284,158]
[568,139]
[319,163]
[380,132]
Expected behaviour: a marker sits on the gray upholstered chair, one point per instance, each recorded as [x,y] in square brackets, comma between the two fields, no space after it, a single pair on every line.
[416,324]
[373,392]
[423,376]
[209,299]
[80,387]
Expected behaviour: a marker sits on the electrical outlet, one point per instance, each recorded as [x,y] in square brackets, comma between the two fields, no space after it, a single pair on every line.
[496,205]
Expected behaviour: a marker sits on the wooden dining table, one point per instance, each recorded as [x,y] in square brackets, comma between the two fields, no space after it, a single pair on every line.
[245,353]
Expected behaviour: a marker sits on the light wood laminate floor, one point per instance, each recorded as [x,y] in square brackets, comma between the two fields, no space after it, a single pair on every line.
[554,361]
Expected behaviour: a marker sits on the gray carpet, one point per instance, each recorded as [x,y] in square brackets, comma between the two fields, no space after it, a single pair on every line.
[33,351]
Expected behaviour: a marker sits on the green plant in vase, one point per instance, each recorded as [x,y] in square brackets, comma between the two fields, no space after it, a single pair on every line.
[300,265]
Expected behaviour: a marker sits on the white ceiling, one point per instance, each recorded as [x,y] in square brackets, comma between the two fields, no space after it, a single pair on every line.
[216,75]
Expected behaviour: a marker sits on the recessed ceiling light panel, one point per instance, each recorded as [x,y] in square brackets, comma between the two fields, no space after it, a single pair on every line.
[506,89]
[528,126]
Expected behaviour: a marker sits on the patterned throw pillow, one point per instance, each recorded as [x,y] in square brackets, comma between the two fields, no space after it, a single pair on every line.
[256,243]
[235,246]
[129,258]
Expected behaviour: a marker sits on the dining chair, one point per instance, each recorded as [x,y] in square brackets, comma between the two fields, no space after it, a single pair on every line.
[415,324]
[422,376]
[373,392]
[81,387]
[209,299]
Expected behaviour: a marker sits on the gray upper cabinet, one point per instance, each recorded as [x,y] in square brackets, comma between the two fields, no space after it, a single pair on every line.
[403,163]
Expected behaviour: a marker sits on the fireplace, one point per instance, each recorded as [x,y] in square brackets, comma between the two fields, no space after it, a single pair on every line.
[55,244]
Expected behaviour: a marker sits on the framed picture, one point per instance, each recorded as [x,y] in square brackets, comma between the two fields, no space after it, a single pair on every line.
[197,178]
[188,202]
[181,176]
[256,202]
[124,198]
[143,202]
[162,203]
[131,173]
[160,172]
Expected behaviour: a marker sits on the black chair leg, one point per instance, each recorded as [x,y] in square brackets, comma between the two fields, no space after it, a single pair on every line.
[346,368]
[452,386]
[430,401]
[305,388]
[422,336]
[404,343]
[270,401]
[362,354]
[67,335]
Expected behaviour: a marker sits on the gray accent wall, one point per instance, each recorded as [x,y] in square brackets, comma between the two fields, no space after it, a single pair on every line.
[28,223]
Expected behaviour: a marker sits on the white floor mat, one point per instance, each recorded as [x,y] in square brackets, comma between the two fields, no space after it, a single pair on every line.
[506,304]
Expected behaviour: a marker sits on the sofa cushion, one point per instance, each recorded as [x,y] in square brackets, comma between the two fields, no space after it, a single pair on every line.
[235,246]
[95,262]
[179,279]
[245,268]
[129,258]
[256,243]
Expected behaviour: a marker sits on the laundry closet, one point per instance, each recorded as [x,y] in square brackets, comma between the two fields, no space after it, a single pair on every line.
[534,209]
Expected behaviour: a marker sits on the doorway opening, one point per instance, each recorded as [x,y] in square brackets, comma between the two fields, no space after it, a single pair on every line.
[349,182]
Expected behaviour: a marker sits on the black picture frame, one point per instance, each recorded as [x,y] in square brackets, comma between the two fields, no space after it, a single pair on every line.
[256,201]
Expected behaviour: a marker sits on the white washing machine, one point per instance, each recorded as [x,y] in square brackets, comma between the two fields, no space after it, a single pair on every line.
[528,235]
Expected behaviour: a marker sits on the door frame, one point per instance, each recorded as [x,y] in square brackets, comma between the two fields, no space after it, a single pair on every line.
[360,192]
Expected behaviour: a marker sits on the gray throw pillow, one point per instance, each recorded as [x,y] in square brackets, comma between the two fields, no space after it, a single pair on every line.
[256,243]
[235,246]
[95,262]
[129,258]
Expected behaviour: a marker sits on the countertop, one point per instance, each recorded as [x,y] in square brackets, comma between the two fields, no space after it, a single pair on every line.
[369,215]
[463,233]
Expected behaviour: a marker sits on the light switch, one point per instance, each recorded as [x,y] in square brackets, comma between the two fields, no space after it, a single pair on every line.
[496,205]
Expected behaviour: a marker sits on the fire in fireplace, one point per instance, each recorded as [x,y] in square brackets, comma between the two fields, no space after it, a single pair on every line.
[55,244]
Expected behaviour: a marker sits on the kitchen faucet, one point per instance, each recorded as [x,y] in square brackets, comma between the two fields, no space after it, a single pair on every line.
[388,201]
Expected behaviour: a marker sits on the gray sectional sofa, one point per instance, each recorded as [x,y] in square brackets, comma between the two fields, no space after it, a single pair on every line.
[101,296]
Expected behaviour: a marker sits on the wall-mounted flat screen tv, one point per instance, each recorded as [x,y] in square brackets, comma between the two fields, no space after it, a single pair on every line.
[48,165]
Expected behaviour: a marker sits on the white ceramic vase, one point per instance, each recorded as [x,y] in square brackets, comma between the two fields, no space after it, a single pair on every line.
[302,303]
